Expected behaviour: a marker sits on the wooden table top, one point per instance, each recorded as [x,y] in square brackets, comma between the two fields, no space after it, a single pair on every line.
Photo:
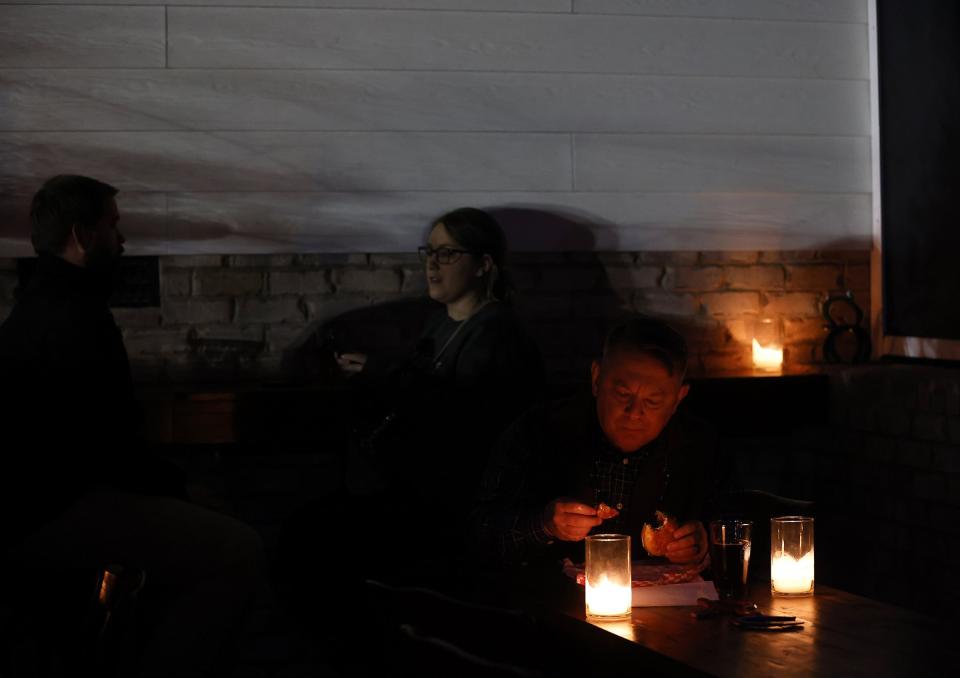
[845,635]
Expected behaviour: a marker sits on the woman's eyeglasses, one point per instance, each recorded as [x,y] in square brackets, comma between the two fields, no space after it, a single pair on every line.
[443,255]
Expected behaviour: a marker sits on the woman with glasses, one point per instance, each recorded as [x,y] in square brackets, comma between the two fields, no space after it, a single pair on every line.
[472,356]
[464,266]
[413,470]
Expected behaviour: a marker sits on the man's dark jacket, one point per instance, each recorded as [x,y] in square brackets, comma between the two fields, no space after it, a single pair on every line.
[69,418]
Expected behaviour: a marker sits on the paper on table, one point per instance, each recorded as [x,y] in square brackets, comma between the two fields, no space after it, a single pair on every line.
[669,595]
[649,584]
[644,573]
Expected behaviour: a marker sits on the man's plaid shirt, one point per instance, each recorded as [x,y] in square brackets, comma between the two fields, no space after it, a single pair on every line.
[558,450]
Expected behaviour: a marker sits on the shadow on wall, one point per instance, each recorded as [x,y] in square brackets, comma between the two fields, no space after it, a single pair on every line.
[170,190]
[575,285]
[568,294]
[546,229]
[392,327]
[387,329]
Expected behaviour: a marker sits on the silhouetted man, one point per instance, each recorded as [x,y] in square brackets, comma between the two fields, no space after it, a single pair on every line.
[78,490]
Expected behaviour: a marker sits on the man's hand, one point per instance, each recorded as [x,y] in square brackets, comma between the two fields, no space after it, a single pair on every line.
[569,520]
[689,543]
[350,363]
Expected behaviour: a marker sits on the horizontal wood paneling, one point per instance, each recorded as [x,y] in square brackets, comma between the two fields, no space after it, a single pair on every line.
[332,39]
[221,223]
[290,161]
[339,100]
[346,125]
[472,5]
[42,36]
[615,162]
[786,10]
[389,222]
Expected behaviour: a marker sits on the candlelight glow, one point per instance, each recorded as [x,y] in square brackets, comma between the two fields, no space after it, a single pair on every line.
[767,358]
[608,599]
[789,575]
[624,629]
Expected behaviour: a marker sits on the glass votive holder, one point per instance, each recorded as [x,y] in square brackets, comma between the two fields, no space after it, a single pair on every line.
[767,345]
[791,556]
[609,594]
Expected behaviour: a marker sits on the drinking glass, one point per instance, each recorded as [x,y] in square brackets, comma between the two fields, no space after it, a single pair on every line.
[730,557]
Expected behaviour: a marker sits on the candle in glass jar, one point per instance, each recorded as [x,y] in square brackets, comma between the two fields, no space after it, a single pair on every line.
[608,593]
[789,575]
[607,599]
[791,556]
[767,358]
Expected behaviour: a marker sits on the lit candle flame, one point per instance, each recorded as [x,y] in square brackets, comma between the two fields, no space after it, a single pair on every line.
[607,599]
[790,575]
[765,358]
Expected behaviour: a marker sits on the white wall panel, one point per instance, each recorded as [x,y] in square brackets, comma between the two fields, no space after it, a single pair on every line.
[250,222]
[470,5]
[346,125]
[785,10]
[118,37]
[660,162]
[331,39]
[428,101]
[290,161]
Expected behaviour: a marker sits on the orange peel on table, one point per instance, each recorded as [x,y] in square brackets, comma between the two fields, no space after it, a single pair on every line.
[655,539]
[605,512]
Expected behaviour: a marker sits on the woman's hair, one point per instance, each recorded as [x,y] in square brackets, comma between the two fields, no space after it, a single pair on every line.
[480,233]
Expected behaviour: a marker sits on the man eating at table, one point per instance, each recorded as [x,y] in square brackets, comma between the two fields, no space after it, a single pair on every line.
[606,463]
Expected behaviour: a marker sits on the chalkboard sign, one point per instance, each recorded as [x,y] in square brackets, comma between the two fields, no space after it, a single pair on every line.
[918,60]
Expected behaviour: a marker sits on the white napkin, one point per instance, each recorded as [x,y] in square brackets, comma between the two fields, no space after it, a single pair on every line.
[669,595]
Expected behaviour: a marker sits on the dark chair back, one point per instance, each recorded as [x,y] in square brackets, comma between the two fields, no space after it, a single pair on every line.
[431,633]
[419,654]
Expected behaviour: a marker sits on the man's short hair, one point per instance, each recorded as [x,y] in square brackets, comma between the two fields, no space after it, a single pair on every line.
[65,200]
[652,337]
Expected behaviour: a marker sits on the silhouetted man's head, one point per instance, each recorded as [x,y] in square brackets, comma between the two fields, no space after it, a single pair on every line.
[638,383]
[76,218]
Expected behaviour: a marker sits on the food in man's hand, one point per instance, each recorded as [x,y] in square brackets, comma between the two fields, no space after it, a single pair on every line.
[605,512]
[655,540]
